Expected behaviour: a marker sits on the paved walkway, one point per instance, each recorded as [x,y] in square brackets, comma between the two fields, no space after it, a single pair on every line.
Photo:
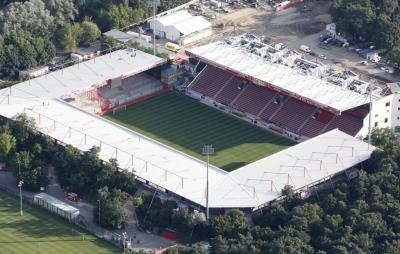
[140,240]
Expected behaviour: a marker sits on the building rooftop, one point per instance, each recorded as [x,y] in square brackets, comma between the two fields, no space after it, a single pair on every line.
[184,22]
[248,187]
[119,36]
[284,70]
[57,203]
[94,72]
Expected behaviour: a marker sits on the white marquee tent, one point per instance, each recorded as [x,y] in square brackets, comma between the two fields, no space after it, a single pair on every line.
[182,27]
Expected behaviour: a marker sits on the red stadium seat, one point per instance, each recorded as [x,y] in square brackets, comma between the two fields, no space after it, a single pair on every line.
[291,114]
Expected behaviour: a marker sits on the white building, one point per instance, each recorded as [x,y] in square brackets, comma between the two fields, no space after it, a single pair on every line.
[182,27]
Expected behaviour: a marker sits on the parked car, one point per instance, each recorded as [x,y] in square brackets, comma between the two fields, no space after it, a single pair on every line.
[172,46]
[329,40]
[323,57]
[72,197]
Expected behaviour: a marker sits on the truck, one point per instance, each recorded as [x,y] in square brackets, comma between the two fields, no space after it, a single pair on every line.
[172,46]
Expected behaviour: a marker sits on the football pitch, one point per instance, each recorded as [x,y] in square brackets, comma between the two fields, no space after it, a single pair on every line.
[186,125]
[38,231]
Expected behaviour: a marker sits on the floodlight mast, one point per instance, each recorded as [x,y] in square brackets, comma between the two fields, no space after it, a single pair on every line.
[155,3]
[20,183]
[20,195]
[207,150]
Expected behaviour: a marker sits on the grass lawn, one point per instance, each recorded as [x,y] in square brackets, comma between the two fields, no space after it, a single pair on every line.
[186,125]
[38,231]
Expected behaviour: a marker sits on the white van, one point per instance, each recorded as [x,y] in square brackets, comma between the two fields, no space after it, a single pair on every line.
[305,48]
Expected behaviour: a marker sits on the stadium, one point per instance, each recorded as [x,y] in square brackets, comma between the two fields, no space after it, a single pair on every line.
[273,118]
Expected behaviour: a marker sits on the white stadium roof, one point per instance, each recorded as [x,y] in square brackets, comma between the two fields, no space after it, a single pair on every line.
[248,187]
[282,77]
[184,22]
[86,74]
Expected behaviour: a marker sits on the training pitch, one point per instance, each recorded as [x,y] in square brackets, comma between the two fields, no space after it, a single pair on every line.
[38,231]
[186,125]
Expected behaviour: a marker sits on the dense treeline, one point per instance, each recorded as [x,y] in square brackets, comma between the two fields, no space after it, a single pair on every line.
[31,31]
[26,152]
[370,21]
[88,176]
[360,216]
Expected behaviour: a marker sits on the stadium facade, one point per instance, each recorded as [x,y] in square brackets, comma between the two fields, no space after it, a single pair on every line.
[65,105]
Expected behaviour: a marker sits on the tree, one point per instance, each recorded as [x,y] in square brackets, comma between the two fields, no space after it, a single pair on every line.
[89,33]
[312,213]
[394,57]
[22,54]
[168,4]
[173,250]
[67,36]
[27,53]
[108,43]
[7,144]
[22,161]
[117,16]
[11,60]
[112,213]
[138,201]
[33,171]
[353,17]
[230,225]
[45,50]
[30,17]
[22,127]
[63,11]
[2,53]
[35,178]
[289,244]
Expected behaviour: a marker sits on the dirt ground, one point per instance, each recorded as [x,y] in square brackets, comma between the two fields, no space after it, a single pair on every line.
[294,28]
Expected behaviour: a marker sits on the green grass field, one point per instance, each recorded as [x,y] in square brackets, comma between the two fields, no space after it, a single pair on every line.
[186,125]
[38,231]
